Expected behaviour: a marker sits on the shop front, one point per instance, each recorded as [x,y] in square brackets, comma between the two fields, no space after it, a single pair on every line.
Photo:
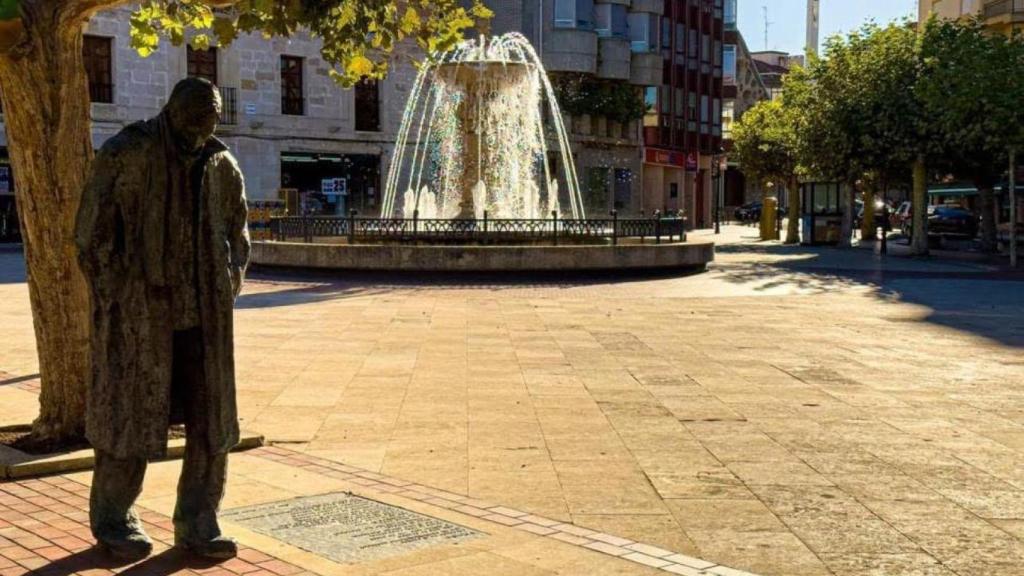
[331,184]
[9,230]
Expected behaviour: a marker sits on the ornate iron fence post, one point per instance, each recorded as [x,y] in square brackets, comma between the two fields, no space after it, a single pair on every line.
[485,227]
[415,223]
[352,226]
[615,227]
[554,226]
[657,226]
[307,235]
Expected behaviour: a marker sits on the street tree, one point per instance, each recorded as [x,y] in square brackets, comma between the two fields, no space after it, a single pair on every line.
[970,88]
[47,116]
[868,126]
[767,143]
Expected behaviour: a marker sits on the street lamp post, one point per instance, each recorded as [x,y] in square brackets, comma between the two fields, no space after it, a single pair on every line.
[1012,179]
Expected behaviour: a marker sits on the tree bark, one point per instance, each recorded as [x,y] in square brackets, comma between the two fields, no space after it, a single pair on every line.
[867,223]
[847,197]
[989,212]
[793,211]
[46,110]
[919,202]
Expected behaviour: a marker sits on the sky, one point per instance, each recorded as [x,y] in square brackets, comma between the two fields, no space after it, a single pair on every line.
[788,19]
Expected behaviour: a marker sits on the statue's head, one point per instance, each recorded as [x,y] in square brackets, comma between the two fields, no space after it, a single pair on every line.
[193,111]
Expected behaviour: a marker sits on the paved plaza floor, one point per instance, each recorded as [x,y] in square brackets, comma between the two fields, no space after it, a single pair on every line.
[793,411]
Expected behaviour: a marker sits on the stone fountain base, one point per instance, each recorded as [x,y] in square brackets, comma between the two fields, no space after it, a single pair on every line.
[685,257]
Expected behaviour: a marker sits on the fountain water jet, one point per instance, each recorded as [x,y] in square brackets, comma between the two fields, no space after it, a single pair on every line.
[474,123]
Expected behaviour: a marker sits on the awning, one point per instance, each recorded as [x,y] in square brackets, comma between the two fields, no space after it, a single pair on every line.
[953,190]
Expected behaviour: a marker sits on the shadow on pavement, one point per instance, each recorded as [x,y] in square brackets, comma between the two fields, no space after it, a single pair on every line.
[165,563]
[963,296]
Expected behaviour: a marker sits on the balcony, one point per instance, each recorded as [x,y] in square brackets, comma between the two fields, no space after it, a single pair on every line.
[614,59]
[229,106]
[570,50]
[645,69]
[1004,10]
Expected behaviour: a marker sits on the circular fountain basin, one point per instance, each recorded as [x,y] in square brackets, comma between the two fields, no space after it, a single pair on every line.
[628,256]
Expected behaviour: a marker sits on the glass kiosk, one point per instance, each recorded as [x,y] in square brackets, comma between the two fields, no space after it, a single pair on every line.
[822,213]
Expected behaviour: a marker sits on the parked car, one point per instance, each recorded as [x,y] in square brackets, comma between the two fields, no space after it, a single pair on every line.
[751,212]
[882,209]
[900,218]
[950,221]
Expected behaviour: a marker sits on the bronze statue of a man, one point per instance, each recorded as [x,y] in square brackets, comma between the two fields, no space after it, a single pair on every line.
[163,243]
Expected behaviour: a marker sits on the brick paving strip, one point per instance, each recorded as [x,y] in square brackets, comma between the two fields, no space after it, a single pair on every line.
[623,548]
[44,531]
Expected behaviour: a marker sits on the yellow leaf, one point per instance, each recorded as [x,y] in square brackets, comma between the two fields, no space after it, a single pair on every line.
[360,66]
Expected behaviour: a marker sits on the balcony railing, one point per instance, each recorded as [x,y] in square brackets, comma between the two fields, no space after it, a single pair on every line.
[997,8]
[229,106]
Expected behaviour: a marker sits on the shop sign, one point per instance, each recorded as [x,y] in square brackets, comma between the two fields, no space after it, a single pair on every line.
[334,187]
[250,109]
[664,157]
[691,162]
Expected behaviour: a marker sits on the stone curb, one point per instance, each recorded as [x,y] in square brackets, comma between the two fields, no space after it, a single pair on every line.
[18,465]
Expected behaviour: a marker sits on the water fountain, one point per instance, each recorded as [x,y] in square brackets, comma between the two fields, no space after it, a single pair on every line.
[473,138]
[470,187]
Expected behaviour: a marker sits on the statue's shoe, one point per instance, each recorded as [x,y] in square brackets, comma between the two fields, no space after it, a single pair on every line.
[131,546]
[219,548]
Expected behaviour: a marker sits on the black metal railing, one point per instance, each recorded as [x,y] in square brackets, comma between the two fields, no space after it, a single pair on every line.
[485,230]
[228,106]
[997,8]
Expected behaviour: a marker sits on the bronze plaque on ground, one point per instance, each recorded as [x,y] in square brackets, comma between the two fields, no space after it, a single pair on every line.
[346,528]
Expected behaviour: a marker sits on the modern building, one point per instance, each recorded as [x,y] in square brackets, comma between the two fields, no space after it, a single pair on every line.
[743,88]
[683,124]
[294,129]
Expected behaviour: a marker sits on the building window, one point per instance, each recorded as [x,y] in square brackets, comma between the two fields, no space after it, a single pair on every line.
[574,14]
[680,38]
[597,188]
[202,63]
[623,188]
[704,109]
[651,106]
[694,41]
[97,53]
[611,21]
[691,106]
[729,18]
[367,94]
[705,48]
[666,99]
[643,32]
[291,86]
[718,53]
[728,115]
[666,36]
[729,64]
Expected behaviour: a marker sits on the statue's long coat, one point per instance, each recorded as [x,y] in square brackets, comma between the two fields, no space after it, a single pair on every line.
[120,235]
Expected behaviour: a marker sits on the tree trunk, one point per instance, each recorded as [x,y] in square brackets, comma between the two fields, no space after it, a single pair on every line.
[793,211]
[919,202]
[989,212]
[867,223]
[847,197]
[46,110]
